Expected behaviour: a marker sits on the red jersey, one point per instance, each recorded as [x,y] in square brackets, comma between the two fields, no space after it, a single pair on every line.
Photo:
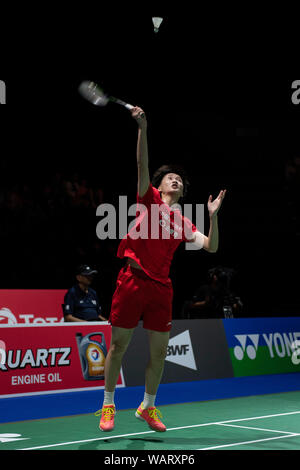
[155,236]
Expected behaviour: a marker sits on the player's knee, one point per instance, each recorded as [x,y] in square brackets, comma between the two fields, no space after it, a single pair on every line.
[159,354]
[118,348]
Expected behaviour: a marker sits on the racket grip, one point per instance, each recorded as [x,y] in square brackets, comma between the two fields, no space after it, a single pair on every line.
[129,106]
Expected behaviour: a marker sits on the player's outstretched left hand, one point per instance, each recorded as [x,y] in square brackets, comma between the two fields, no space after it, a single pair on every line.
[214,206]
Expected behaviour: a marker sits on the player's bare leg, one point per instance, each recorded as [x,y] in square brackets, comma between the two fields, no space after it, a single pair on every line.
[147,411]
[119,343]
[158,342]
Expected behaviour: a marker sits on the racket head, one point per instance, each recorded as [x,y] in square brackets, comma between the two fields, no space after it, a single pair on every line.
[93,93]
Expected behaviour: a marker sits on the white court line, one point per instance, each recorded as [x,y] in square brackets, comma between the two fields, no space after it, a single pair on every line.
[248,442]
[168,429]
[107,437]
[255,429]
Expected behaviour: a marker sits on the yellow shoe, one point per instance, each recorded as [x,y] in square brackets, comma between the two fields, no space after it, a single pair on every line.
[107,422]
[150,416]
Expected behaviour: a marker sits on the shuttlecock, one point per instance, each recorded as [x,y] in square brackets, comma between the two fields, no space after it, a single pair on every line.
[156,22]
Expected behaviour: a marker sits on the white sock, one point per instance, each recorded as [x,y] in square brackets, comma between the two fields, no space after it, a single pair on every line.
[148,400]
[109,398]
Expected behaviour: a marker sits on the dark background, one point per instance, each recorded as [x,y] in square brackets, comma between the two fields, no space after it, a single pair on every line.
[215,103]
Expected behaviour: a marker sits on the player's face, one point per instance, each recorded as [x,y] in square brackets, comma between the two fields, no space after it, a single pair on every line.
[172,183]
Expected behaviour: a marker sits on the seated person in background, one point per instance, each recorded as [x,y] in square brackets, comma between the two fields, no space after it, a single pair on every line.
[216,300]
[81,301]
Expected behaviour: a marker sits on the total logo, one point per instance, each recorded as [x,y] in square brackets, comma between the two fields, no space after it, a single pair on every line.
[7,317]
[279,344]
[94,354]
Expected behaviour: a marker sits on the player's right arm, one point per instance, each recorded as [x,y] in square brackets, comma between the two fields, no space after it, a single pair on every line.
[142,151]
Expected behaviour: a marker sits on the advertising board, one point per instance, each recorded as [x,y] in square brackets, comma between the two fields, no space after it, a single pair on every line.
[261,346]
[31,306]
[36,359]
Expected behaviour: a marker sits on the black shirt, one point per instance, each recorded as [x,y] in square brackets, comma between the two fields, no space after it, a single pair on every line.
[83,305]
[214,295]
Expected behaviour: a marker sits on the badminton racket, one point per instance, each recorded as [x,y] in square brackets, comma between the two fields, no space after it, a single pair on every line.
[95,95]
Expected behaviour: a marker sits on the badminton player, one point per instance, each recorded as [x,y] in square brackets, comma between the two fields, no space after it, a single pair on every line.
[143,287]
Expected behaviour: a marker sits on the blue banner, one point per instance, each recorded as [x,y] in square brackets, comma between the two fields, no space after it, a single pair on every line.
[263,345]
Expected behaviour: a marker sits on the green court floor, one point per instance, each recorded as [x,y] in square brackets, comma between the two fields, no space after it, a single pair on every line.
[268,422]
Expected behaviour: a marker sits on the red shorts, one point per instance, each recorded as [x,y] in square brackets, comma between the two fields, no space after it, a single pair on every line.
[137,297]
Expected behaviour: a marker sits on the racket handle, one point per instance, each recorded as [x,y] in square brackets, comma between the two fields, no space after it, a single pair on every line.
[122,103]
[129,106]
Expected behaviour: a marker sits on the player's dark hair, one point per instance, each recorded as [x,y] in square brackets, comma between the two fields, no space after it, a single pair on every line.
[172,168]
